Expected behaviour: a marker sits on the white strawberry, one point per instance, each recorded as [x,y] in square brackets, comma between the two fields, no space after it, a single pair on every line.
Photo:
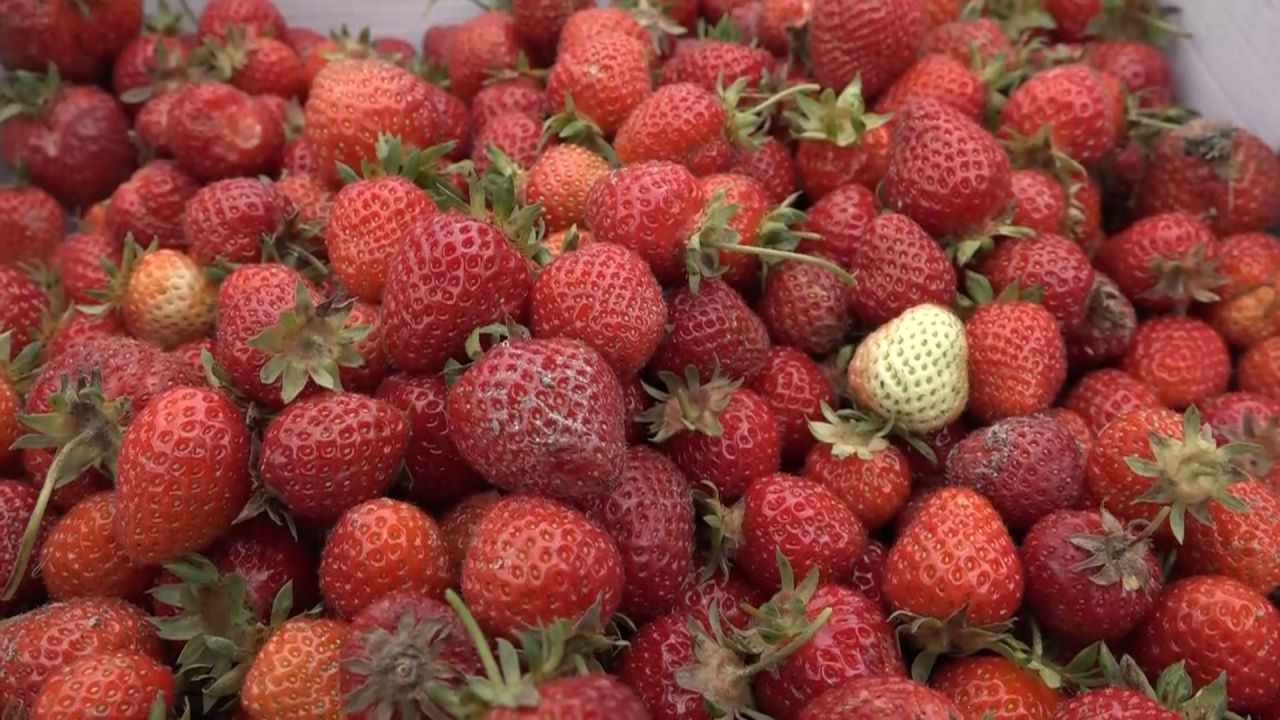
[914,370]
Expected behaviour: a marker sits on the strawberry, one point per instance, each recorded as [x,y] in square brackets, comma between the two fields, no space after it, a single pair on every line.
[1217,172]
[796,389]
[752,220]
[1089,577]
[396,651]
[80,41]
[592,22]
[881,697]
[437,473]
[913,370]
[81,261]
[715,431]
[1259,369]
[539,22]
[453,121]
[459,523]
[516,135]
[837,141]
[560,179]
[72,141]
[1053,264]
[17,501]
[122,685]
[649,515]
[1078,426]
[216,131]
[1041,201]
[567,563]
[717,63]
[258,65]
[1215,625]
[636,401]
[151,124]
[519,95]
[841,219]
[869,475]
[1247,314]
[1113,703]
[940,77]
[228,219]
[379,547]
[311,199]
[180,485]
[37,645]
[1104,395]
[995,685]
[296,673]
[255,17]
[385,99]
[31,227]
[1251,418]
[779,21]
[1163,261]
[920,182]
[484,44]
[22,304]
[805,307]
[567,406]
[77,326]
[712,329]
[82,558]
[435,42]
[1017,359]
[168,299]
[370,221]
[771,165]
[149,205]
[605,297]
[956,555]
[1027,467]
[727,595]
[453,274]
[898,267]
[306,452]
[681,123]
[1079,108]
[1142,69]
[876,40]
[1239,545]
[962,38]
[1184,359]
[156,61]
[268,557]
[339,45]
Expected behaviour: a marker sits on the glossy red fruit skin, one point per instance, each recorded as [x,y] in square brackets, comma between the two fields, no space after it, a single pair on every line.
[33,646]
[1238,545]
[1127,258]
[519,95]
[1104,395]
[541,416]
[149,205]
[482,44]
[796,388]
[33,225]
[1083,109]
[876,40]
[183,474]
[956,37]
[1017,360]
[806,307]
[136,66]
[254,16]
[681,123]
[881,697]
[22,304]
[1027,466]
[1108,477]
[649,517]
[267,556]
[710,61]
[1226,413]
[379,547]
[516,135]
[118,684]
[1215,625]
[650,662]
[78,150]
[17,500]
[940,77]
[898,266]
[229,218]
[652,208]
[931,142]
[459,523]
[81,43]
[590,697]
[1050,262]
[770,165]
[856,642]
[438,475]
[1259,369]
[742,271]
[1184,359]
[728,593]
[608,78]
[217,131]
[329,452]
[250,300]
[1113,703]
[533,560]
[80,556]
[1064,598]
[993,684]
[711,329]
[454,274]
[370,221]
[1142,69]
[748,448]
[604,296]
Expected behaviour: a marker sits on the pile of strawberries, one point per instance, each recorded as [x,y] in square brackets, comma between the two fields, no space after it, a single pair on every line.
[746,359]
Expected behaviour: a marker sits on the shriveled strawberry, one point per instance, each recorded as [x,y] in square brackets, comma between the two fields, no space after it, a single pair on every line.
[1104,395]
[519,95]
[1017,360]
[996,685]
[569,564]
[121,685]
[1080,108]
[437,473]
[837,141]
[1109,323]
[1163,261]
[876,40]
[31,225]
[1215,625]
[771,165]
[1259,369]
[370,221]
[1184,359]
[228,219]
[962,38]
[797,389]
[1053,264]
[259,17]
[898,266]
[149,205]
[478,47]
[1113,703]
[560,180]
[82,558]
[80,41]
[941,78]
[216,131]
[297,672]
[711,329]
[1222,174]
[79,260]
[880,697]
[168,299]
[17,501]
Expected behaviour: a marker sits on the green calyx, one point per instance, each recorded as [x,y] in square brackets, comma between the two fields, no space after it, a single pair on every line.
[746,128]
[688,404]
[164,20]
[28,94]
[778,231]
[723,530]
[964,249]
[110,298]
[840,119]
[309,343]
[424,167]
[979,292]
[850,433]
[18,369]
[1145,20]
[1191,473]
[497,198]
[652,16]
[504,684]
[952,636]
[570,125]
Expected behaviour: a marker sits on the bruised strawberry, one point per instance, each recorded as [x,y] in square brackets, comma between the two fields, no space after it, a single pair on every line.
[1109,323]
[1249,311]
[216,131]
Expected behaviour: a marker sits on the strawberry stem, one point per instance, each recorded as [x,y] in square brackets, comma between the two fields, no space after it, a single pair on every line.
[776,256]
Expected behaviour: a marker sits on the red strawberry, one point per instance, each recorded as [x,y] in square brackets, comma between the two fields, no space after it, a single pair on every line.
[76,327]
[728,594]
[71,141]
[452,275]
[961,38]
[519,96]
[881,697]
[771,165]
[1142,69]
[716,431]
[560,180]
[875,40]
[258,65]
[868,474]
[1252,418]
[649,515]
[779,21]
[17,501]
[1104,395]
[310,198]
[955,555]
[79,261]
[435,42]
[123,685]
[1247,314]
[82,558]
[1053,264]
[1088,577]
[1215,625]
[566,565]
[1017,360]
[1239,545]
[329,452]
[590,697]
[478,47]
[180,484]
[996,685]
[151,124]
[712,329]
[898,266]
[268,557]
[155,62]
[1027,467]
[940,77]
[752,221]
[380,547]
[806,307]
[595,21]
[80,41]
[1217,172]
[837,142]
[541,416]
[296,672]
[1184,359]
[842,219]
[515,135]
[1259,369]
[453,121]
[32,225]
[605,297]
[539,22]
[228,219]
[149,205]
[716,63]
[930,142]
[1081,109]
[797,389]
[1113,703]
[216,131]
[672,647]
[22,304]
[1163,261]
[369,223]
[259,17]
[459,526]
[437,473]
[681,123]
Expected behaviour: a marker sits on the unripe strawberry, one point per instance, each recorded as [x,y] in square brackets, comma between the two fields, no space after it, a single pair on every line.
[914,369]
